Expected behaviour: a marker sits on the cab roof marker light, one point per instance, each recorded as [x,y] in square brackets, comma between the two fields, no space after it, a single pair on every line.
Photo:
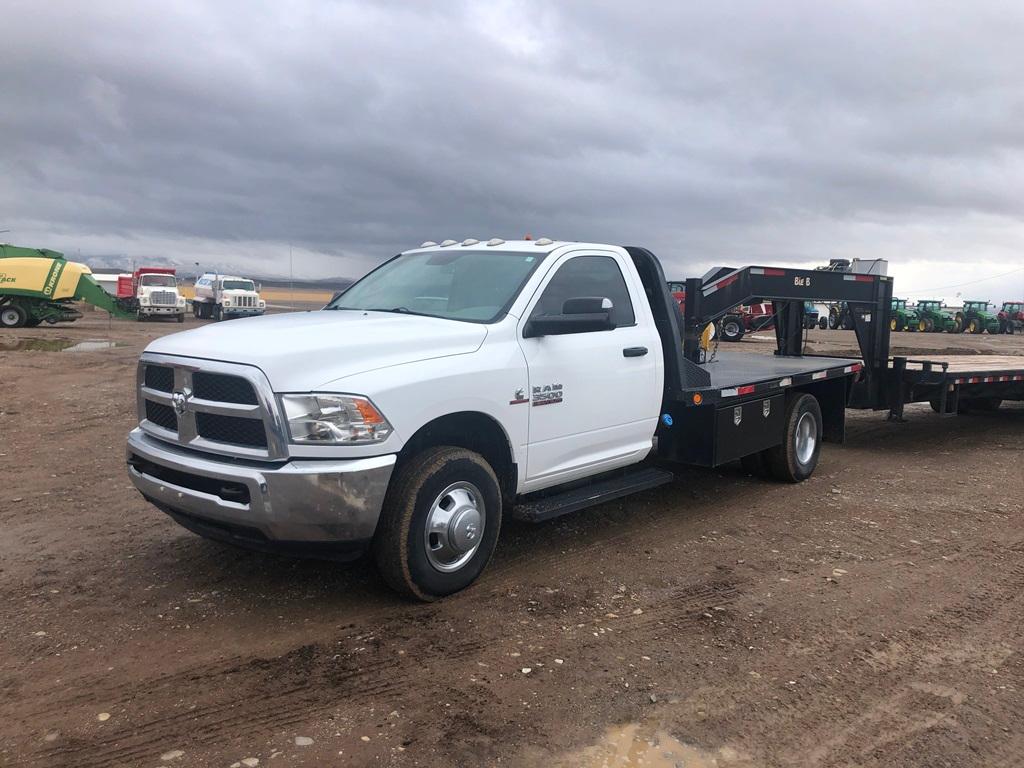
[428,244]
[470,241]
[495,241]
[446,243]
[543,241]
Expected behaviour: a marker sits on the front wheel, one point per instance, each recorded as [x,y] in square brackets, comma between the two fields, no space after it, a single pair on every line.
[823,323]
[439,525]
[795,459]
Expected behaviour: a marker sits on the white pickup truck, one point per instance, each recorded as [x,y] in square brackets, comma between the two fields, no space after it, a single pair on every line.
[462,382]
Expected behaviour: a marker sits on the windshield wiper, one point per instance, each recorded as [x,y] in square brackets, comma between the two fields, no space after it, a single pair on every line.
[399,311]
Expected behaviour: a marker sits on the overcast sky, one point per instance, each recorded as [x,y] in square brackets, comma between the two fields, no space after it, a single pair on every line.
[713,133]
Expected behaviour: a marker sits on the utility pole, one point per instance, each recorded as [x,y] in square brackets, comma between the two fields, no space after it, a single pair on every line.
[291,278]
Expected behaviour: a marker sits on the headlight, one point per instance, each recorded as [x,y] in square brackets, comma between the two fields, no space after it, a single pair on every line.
[334,419]
[181,301]
[144,300]
[227,302]
[262,304]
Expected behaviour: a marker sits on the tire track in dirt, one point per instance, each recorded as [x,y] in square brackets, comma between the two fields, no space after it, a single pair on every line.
[322,679]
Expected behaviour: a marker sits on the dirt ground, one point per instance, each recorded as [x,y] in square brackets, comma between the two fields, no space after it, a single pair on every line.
[872,616]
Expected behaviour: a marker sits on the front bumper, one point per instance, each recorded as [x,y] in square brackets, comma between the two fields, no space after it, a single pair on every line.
[242,311]
[149,309]
[312,504]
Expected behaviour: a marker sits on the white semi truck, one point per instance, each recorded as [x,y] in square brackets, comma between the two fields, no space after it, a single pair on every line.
[219,297]
[461,383]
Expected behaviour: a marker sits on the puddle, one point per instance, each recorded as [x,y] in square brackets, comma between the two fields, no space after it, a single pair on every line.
[58,345]
[647,745]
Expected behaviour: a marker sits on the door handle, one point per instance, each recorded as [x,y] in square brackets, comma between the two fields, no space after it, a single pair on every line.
[634,351]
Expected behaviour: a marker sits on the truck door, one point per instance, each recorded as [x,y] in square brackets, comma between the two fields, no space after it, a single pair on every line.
[594,396]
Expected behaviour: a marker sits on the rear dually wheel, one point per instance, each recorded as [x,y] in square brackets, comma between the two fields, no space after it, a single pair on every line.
[795,459]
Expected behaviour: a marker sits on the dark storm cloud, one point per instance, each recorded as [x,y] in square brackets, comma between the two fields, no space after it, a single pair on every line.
[781,130]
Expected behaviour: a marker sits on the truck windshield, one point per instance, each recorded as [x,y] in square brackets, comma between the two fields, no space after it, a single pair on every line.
[239,285]
[163,280]
[476,286]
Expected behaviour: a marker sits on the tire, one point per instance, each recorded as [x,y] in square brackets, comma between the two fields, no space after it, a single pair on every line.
[833,319]
[732,328]
[795,459]
[140,317]
[12,316]
[756,464]
[974,326]
[181,317]
[848,322]
[823,323]
[986,403]
[958,323]
[402,546]
[926,326]
[895,324]
[963,405]
[218,315]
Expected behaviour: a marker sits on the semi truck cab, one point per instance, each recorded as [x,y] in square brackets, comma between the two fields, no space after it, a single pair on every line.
[152,292]
[219,297]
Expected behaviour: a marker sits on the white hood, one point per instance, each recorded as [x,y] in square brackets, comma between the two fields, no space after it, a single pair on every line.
[303,351]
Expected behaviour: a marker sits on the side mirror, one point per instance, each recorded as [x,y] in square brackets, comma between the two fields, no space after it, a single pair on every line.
[584,314]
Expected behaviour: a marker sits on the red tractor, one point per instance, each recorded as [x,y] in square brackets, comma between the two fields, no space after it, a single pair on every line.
[1011,317]
[742,320]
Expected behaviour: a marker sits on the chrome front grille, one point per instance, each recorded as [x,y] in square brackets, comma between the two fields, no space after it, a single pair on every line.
[210,406]
[163,298]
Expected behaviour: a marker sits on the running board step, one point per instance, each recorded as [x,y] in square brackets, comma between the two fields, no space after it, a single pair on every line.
[589,495]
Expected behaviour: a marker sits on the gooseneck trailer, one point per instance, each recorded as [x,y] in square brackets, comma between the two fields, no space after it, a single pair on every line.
[461,382]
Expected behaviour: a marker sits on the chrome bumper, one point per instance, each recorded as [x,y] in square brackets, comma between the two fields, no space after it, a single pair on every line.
[298,502]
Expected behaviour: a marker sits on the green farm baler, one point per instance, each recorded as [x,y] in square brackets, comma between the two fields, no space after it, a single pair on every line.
[38,285]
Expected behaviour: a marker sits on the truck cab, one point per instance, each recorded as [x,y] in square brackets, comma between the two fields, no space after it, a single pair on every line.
[220,297]
[462,382]
[152,292]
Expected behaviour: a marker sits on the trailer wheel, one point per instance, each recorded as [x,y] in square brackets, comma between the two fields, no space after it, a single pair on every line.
[440,523]
[732,328]
[12,316]
[795,459]
[987,403]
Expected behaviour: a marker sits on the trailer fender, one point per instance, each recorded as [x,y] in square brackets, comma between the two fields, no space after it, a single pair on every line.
[832,396]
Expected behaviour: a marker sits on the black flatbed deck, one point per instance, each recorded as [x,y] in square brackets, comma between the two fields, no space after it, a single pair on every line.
[737,374]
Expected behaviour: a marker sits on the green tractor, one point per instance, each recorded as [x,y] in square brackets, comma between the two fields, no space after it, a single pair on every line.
[902,318]
[933,318]
[976,317]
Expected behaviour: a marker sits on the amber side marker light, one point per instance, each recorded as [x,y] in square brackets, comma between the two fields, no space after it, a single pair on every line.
[698,398]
